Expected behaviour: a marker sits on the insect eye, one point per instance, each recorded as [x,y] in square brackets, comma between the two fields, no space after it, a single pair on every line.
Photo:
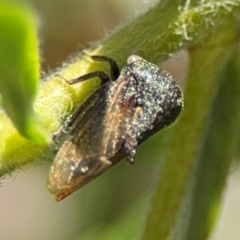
[133,58]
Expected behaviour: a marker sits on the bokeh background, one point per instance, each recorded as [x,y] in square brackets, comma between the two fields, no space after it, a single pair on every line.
[28,211]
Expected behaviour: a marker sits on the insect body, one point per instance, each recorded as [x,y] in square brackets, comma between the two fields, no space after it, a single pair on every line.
[113,121]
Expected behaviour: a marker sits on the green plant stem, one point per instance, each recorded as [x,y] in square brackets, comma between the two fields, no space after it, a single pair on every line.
[154,35]
[217,153]
[201,87]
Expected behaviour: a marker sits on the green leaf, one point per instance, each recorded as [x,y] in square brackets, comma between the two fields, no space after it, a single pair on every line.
[19,67]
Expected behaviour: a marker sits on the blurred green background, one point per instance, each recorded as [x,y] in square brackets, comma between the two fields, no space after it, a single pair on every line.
[28,210]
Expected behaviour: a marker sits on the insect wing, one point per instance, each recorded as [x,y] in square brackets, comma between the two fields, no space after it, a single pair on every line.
[97,135]
[71,164]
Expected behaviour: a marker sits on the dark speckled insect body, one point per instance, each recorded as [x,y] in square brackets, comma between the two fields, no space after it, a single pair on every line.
[113,121]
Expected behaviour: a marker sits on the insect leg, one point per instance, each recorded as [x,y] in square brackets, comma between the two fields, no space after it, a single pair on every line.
[114,69]
[102,75]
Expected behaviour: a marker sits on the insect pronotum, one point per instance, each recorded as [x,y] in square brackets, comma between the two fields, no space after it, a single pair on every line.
[127,108]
